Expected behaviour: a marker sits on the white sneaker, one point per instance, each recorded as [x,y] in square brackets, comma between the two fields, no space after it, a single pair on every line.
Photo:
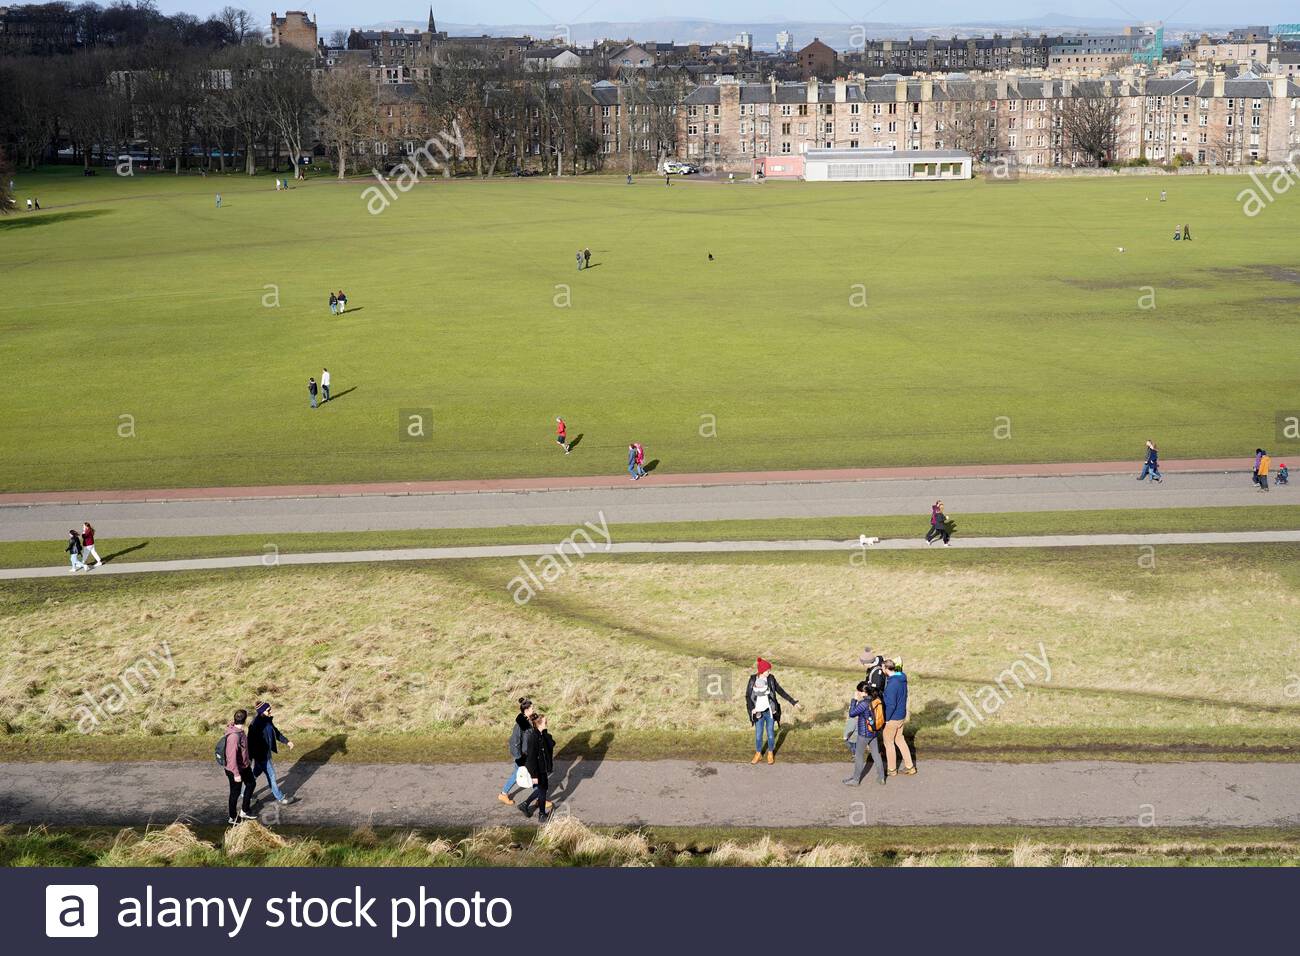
[947,544]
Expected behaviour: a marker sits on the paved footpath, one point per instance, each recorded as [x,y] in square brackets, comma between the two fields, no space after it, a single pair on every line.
[598,547]
[676,793]
[658,498]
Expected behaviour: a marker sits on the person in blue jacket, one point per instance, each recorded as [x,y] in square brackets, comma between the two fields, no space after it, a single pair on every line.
[867,741]
[895,715]
[263,736]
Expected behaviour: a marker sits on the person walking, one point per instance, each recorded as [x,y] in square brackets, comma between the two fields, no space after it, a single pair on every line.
[343,301]
[73,548]
[1261,470]
[631,461]
[218,200]
[239,770]
[579,257]
[539,759]
[311,390]
[762,699]
[334,304]
[586,258]
[325,384]
[263,736]
[870,714]
[938,525]
[521,726]
[88,543]
[638,453]
[1254,469]
[1152,464]
[562,434]
[895,704]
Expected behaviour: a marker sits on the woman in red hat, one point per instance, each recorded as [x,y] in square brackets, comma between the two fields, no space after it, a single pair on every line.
[761,697]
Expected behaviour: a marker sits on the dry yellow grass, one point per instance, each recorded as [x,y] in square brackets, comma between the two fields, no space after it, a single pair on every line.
[251,837]
[622,644]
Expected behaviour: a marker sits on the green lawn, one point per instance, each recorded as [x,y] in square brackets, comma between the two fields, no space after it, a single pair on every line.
[139,298]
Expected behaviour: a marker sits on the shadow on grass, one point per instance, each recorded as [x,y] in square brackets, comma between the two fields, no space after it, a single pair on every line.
[651,465]
[337,395]
[574,443]
[19,221]
[118,554]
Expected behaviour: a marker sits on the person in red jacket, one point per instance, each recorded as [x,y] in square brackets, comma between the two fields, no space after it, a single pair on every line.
[562,434]
[88,543]
[239,769]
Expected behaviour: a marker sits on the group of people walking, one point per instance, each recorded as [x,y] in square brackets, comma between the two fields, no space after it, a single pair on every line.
[246,754]
[338,302]
[584,259]
[1262,465]
[323,389]
[532,748]
[876,716]
[81,544]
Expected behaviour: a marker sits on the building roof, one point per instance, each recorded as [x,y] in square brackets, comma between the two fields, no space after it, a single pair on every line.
[881,153]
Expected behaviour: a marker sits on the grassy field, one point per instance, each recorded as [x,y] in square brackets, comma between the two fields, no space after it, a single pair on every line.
[567,842]
[28,554]
[1194,656]
[139,298]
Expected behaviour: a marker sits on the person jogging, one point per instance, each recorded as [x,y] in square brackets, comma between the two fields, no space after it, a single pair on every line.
[762,699]
[938,525]
[263,736]
[521,726]
[562,434]
[238,767]
[1152,464]
[870,714]
[539,754]
[88,543]
[73,547]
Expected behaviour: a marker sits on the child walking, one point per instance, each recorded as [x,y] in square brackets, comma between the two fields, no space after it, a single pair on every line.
[562,434]
[74,551]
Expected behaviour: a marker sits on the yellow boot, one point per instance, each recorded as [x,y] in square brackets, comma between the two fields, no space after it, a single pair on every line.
[771,757]
[757,757]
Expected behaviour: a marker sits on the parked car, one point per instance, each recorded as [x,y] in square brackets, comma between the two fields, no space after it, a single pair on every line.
[673,167]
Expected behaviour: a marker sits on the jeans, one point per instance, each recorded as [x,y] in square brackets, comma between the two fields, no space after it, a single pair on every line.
[325,389]
[937,531]
[765,720]
[1149,468]
[247,781]
[76,561]
[510,780]
[268,768]
[1263,482]
[864,745]
[538,796]
[313,399]
[894,739]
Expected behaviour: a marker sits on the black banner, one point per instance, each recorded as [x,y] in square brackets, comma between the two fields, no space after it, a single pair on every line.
[581,911]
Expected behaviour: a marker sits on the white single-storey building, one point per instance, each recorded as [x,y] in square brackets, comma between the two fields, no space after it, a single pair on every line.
[878,163]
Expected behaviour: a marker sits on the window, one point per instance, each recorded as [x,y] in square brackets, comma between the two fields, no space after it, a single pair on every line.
[785,147]
[785,129]
[785,110]
[853,109]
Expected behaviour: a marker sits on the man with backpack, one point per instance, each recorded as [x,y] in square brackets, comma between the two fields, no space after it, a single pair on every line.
[875,679]
[263,736]
[232,756]
[870,712]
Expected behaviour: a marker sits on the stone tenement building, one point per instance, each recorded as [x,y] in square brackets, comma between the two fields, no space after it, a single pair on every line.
[1212,119]
[878,57]
[295,29]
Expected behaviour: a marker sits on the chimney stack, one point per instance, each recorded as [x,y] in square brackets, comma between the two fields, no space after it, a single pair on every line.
[900,90]
[841,89]
[1219,79]
[812,90]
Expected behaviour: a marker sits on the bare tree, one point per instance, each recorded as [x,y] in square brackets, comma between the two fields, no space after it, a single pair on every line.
[339,39]
[290,102]
[349,104]
[1091,125]
[240,23]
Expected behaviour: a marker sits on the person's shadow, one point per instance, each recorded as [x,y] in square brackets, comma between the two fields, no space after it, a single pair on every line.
[347,391]
[118,554]
[651,465]
[581,757]
[576,438]
[935,714]
[305,767]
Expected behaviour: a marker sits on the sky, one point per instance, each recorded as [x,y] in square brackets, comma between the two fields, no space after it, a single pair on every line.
[910,12]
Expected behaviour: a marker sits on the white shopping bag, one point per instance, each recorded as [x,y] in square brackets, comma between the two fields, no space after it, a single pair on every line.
[522,778]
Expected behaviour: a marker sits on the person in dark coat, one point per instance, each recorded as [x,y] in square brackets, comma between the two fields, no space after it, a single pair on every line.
[938,525]
[73,548]
[263,737]
[762,700]
[517,731]
[539,758]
